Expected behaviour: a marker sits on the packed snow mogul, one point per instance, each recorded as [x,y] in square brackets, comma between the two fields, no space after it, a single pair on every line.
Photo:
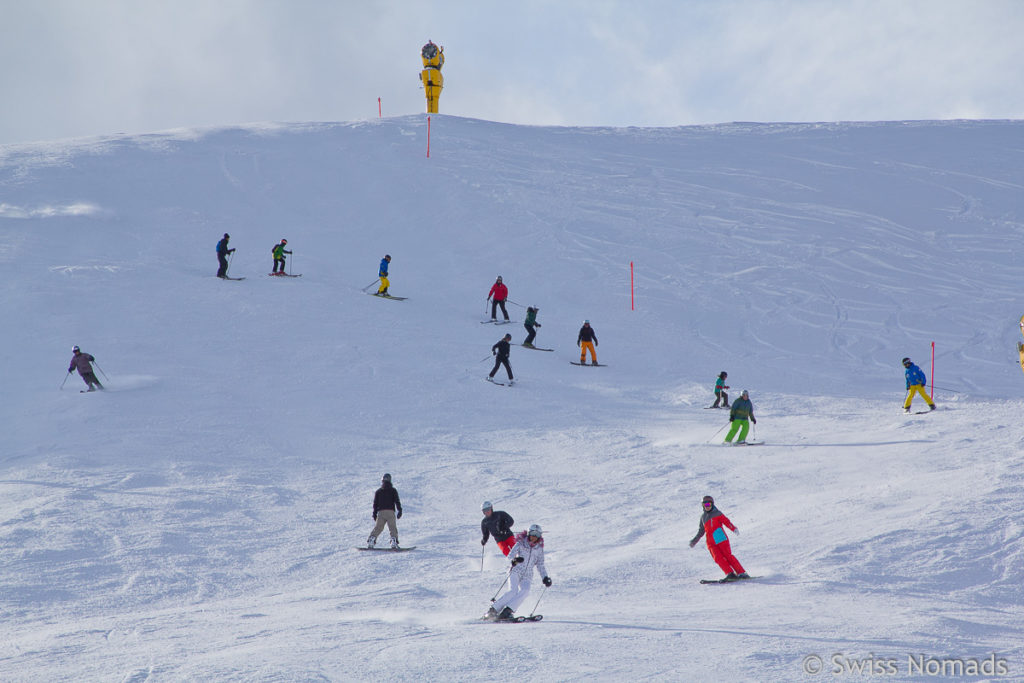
[711,523]
[720,387]
[279,251]
[527,553]
[529,324]
[497,296]
[587,340]
[382,273]
[497,523]
[386,509]
[916,382]
[741,415]
[222,255]
[433,81]
[82,362]
[500,351]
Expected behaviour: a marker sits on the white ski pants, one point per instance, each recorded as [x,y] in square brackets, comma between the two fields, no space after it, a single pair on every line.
[519,588]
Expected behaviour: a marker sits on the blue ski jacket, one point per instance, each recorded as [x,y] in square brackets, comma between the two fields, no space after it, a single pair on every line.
[915,376]
[383,272]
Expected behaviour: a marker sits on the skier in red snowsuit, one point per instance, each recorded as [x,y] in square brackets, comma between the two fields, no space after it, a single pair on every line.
[711,523]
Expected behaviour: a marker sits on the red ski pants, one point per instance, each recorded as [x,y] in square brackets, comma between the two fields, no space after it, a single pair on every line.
[507,544]
[723,557]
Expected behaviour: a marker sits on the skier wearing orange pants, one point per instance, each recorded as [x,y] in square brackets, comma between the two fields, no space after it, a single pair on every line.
[711,523]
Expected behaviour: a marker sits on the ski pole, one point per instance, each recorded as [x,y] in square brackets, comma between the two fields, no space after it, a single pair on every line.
[487,302]
[482,559]
[371,284]
[65,380]
[955,391]
[515,302]
[534,610]
[101,370]
[719,430]
[485,358]
[502,585]
[231,257]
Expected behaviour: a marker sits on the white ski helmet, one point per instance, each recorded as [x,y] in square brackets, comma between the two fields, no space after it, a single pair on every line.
[535,531]
[486,506]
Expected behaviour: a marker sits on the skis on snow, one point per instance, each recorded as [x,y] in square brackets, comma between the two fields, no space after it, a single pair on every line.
[725,580]
[388,296]
[535,348]
[385,549]
[513,620]
[511,382]
[284,275]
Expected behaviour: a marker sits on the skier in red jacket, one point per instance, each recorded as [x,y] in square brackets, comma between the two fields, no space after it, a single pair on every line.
[497,296]
[711,523]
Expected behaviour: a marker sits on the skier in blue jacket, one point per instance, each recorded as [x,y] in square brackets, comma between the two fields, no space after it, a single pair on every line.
[382,273]
[916,382]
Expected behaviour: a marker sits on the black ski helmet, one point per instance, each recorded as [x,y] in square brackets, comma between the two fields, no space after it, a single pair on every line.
[227,236]
[723,374]
[906,361]
[386,478]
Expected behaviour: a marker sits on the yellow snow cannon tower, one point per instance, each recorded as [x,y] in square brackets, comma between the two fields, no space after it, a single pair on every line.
[433,81]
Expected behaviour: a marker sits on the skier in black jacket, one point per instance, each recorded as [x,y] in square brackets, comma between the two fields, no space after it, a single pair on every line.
[500,352]
[497,523]
[385,505]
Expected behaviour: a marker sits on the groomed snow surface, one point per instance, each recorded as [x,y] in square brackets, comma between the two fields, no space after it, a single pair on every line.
[198,520]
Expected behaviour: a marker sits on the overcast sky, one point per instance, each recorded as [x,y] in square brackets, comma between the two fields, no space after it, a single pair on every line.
[97,67]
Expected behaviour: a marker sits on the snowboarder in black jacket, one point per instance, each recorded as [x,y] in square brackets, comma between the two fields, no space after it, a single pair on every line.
[497,523]
[385,506]
[500,352]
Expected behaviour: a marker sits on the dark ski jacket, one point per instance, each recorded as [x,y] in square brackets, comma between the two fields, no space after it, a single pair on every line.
[222,246]
[712,522]
[742,409]
[531,317]
[587,334]
[915,376]
[502,348]
[499,525]
[386,498]
[80,361]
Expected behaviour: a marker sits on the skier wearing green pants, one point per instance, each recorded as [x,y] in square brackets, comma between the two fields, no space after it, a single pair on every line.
[742,411]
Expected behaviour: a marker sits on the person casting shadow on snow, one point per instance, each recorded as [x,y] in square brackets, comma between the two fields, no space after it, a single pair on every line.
[527,553]
[711,523]
[385,505]
[81,362]
[222,255]
[742,411]
[500,351]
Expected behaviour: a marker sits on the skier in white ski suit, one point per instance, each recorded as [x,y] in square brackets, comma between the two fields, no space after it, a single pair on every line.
[527,553]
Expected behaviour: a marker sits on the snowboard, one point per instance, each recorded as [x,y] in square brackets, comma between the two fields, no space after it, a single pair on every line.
[590,365]
[388,296]
[386,549]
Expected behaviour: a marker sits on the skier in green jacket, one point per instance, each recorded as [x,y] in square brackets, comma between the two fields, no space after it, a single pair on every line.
[279,251]
[742,411]
[529,324]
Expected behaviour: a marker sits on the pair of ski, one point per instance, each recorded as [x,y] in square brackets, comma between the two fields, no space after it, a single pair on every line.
[387,549]
[388,296]
[284,275]
[510,383]
[707,581]
[744,443]
[534,348]
[513,620]
[226,277]
[496,322]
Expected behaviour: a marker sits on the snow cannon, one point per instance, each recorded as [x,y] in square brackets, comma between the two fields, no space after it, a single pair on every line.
[433,81]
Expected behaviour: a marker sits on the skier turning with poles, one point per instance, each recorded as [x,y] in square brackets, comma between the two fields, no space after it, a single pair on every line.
[382,273]
[916,382]
[81,362]
[711,523]
[500,351]
[497,523]
[497,297]
[385,505]
[527,553]
[742,411]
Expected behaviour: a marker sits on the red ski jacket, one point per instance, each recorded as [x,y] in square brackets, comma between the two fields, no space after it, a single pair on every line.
[711,523]
[499,292]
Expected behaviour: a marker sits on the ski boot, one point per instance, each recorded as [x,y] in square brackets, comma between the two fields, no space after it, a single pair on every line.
[906,411]
[743,575]
[491,615]
[371,541]
[731,576]
[931,406]
[394,543]
[527,345]
[505,615]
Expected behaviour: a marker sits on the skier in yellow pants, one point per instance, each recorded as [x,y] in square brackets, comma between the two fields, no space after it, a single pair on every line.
[915,385]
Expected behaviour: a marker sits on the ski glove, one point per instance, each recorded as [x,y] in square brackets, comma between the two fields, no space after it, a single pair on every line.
[693,543]
[752,419]
[483,541]
[736,531]
[399,515]
[547,581]
[517,561]
[374,516]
